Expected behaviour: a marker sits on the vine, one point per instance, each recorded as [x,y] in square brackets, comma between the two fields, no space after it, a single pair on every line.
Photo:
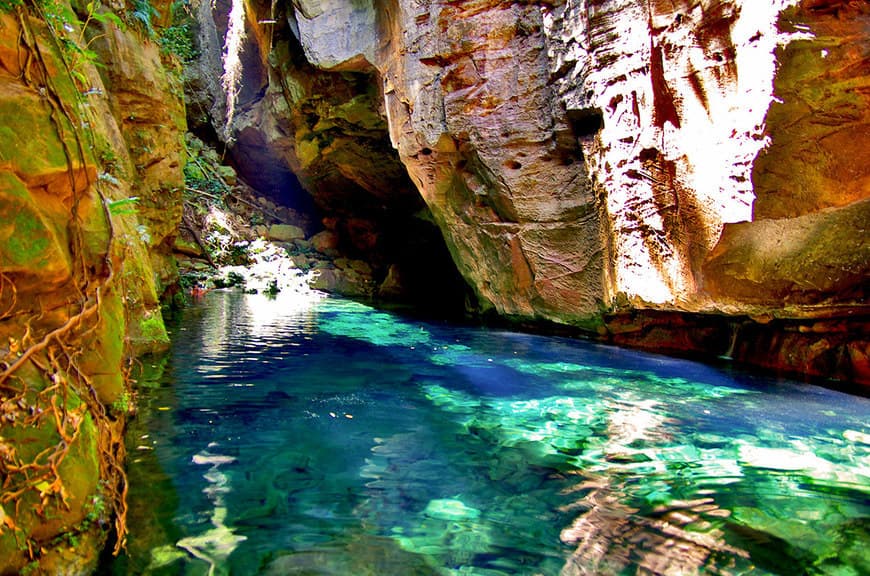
[54,352]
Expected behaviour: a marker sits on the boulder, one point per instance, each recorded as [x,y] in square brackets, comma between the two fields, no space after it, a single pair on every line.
[324,242]
[285,233]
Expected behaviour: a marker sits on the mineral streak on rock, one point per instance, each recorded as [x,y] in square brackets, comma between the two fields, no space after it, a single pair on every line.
[683,88]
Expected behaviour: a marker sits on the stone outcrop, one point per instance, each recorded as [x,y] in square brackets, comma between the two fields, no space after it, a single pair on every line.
[90,172]
[317,141]
[683,176]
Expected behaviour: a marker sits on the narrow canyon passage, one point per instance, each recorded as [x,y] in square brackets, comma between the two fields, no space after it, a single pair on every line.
[257,188]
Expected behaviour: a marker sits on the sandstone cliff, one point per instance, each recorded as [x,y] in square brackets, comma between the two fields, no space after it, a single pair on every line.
[90,170]
[684,176]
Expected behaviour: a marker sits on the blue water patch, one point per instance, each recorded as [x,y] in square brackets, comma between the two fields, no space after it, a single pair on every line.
[327,437]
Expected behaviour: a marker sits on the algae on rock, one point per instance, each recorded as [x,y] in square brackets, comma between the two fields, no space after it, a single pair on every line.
[80,283]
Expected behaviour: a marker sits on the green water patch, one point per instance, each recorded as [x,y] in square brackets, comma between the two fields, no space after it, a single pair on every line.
[345,440]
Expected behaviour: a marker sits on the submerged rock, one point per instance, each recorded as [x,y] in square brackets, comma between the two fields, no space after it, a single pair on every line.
[450,509]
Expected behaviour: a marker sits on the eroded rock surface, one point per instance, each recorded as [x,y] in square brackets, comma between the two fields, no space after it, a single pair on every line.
[634,169]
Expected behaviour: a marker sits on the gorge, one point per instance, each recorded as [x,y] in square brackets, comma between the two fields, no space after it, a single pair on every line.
[686,177]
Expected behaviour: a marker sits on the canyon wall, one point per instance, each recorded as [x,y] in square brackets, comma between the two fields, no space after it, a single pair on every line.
[90,199]
[688,177]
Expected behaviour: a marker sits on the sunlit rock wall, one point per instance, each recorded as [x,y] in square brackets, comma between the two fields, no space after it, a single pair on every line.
[311,133]
[82,269]
[690,172]
[675,175]
[476,120]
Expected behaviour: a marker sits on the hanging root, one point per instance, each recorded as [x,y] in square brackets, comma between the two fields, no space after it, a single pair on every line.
[54,351]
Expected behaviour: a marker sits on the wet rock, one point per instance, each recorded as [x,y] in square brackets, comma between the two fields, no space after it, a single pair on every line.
[345,282]
[361,267]
[302,245]
[392,286]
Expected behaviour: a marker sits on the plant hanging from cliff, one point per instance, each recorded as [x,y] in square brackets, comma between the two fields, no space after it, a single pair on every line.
[143,12]
[232,76]
[43,389]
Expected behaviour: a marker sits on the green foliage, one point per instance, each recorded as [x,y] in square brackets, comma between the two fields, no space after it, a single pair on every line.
[142,13]
[178,40]
[196,179]
[232,279]
[75,47]
[123,207]
[119,406]
[9,5]
[59,16]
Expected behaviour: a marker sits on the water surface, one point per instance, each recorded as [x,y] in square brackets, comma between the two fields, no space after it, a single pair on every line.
[295,437]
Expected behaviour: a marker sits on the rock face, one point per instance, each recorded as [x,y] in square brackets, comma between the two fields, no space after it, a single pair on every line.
[317,141]
[82,268]
[682,176]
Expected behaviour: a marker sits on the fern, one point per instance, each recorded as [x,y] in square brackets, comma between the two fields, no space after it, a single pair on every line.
[143,12]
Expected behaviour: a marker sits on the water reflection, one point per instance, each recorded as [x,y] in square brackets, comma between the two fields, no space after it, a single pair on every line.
[335,439]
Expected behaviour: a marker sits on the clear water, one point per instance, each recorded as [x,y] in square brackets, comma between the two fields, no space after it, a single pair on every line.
[330,438]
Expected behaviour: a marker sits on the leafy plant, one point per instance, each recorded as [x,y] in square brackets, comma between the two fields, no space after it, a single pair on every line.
[123,207]
[77,48]
[178,40]
[121,406]
[143,12]
[9,5]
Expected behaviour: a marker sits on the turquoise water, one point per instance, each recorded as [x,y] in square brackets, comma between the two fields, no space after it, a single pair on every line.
[294,437]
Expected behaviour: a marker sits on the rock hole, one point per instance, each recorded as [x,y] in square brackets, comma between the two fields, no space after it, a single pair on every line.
[648,154]
[586,122]
[426,151]
[513,164]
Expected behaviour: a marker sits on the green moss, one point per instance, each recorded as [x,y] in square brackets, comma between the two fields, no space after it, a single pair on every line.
[28,136]
[360,111]
[103,354]
[147,332]
[28,240]
[152,328]
[308,151]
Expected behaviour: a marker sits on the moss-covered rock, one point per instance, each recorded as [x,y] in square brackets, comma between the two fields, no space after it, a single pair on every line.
[48,505]
[82,268]
[32,244]
[104,350]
